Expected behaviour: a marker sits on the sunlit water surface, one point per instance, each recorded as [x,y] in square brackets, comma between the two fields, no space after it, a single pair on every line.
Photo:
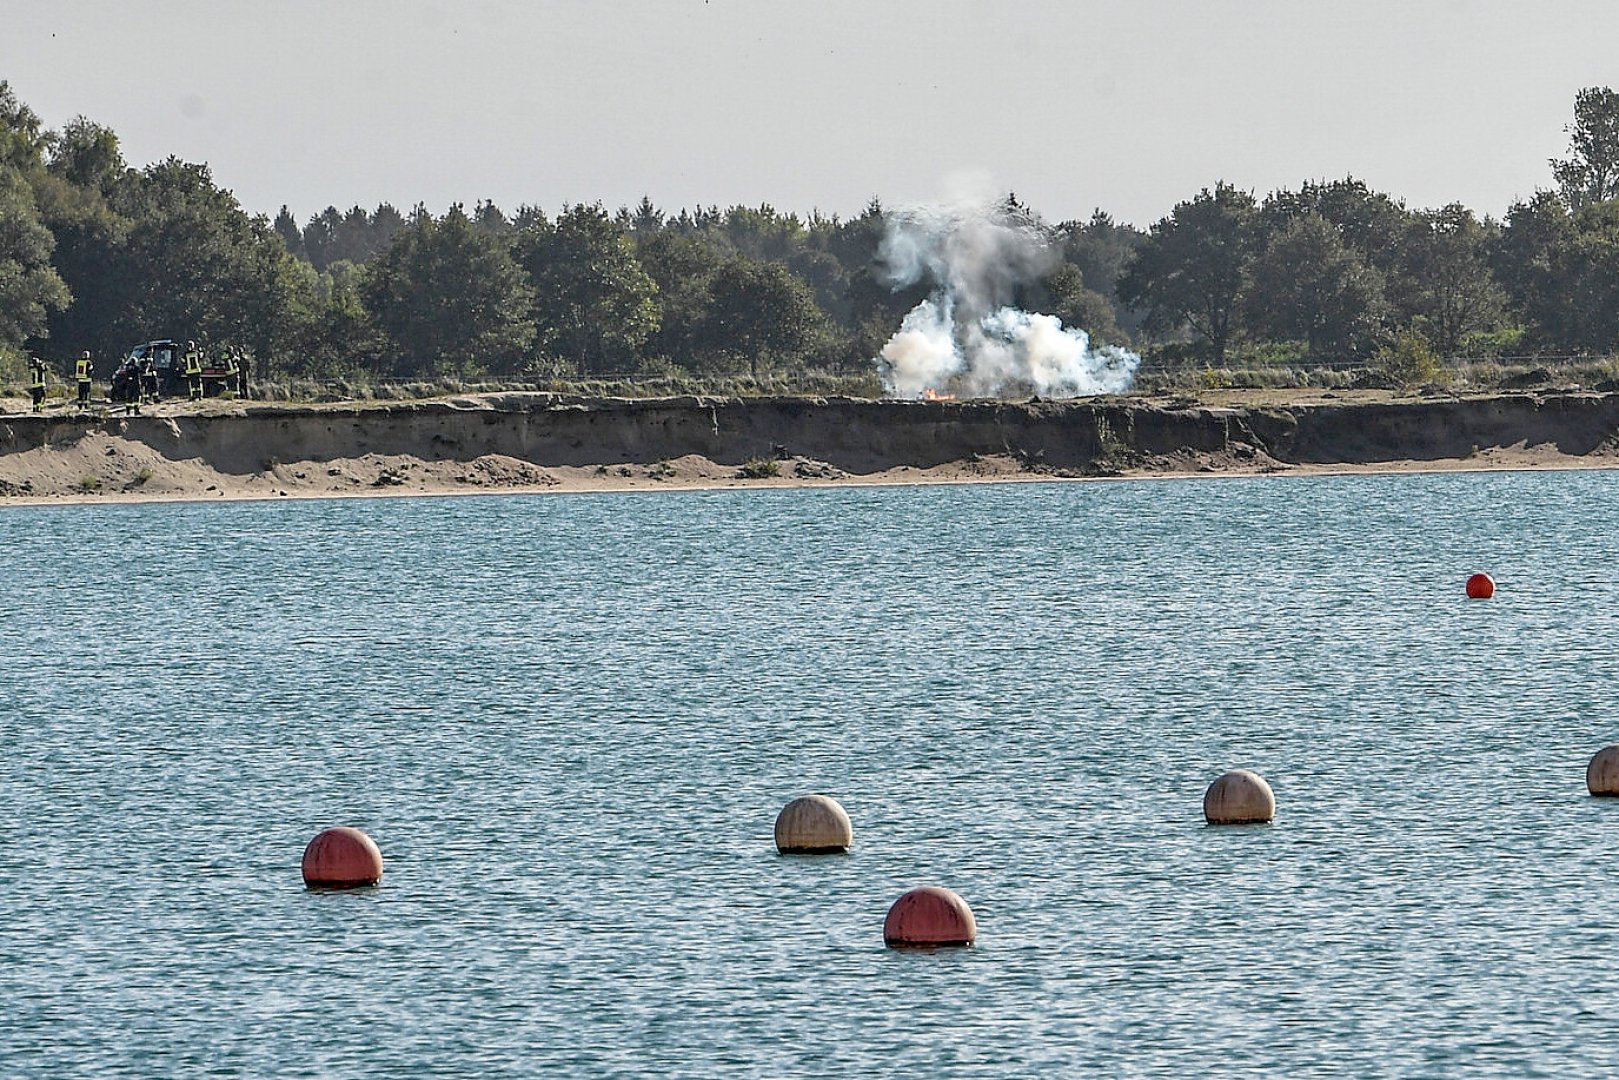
[569,722]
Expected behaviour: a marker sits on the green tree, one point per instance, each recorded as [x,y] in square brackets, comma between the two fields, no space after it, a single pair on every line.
[340,338]
[194,265]
[762,233]
[1193,267]
[23,139]
[1100,249]
[1063,293]
[30,288]
[86,155]
[596,304]
[78,191]
[682,267]
[816,262]
[1593,264]
[449,299]
[1370,223]
[320,238]
[488,217]
[645,220]
[1590,174]
[1532,263]
[760,315]
[872,309]
[1309,285]
[1449,287]
[1560,268]
[286,227]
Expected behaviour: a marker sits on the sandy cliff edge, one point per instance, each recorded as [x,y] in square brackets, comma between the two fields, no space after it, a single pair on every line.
[546,442]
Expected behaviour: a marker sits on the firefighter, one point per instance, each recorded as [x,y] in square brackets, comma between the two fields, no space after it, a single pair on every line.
[240,361]
[148,380]
[36,382]
[194,370]
[83,374]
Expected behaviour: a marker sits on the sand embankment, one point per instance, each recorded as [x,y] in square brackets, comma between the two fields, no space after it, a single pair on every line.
[509,442]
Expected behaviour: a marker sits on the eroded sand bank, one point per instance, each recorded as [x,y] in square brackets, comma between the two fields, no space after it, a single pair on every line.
[544,442]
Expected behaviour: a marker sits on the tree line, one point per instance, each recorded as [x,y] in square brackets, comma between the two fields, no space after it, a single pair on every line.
[96,254]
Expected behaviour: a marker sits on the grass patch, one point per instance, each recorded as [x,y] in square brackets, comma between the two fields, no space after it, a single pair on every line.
[759,468]
[809,383]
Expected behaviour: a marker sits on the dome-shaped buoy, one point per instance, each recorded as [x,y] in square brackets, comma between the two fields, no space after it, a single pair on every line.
[813,825]
[1480,587]
[1602,775]
[929,917]
[1239,797]
[342,858]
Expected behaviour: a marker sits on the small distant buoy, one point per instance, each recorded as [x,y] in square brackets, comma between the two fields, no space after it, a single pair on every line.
[1239,797]
[1480,587]
[342,858]
[1602,775]
[813,825]
[929,917]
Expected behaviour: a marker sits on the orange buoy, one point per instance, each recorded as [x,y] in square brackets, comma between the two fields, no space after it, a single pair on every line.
[342,858]
[813,825]
[1602,774]
[1480,587]
[1239,797]
[927,917]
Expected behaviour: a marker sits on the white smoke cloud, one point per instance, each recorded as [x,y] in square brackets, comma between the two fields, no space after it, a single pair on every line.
[965,339]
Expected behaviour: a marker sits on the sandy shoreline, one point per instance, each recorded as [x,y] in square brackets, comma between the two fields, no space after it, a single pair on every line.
[1527,462]
[537,443]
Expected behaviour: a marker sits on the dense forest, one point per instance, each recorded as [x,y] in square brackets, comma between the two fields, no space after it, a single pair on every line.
[96,254]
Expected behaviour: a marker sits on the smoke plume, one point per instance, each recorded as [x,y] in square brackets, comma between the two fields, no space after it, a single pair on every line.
[966,338]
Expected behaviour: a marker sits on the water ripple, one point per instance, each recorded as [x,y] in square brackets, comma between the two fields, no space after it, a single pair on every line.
[569,723]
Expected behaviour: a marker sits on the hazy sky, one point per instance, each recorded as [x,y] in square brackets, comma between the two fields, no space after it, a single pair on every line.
[1072,104]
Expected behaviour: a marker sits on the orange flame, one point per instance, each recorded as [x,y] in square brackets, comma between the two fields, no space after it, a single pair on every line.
[931,394]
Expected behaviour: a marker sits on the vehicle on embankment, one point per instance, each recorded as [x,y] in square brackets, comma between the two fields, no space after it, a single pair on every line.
[168,361]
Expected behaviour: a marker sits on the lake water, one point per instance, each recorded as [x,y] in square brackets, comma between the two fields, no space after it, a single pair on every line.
[569,722]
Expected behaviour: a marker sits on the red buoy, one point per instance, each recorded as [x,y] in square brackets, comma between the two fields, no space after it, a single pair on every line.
[342,858]
[1480,587]
[929,916]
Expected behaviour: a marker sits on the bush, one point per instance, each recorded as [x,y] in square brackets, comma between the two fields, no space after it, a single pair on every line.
[1491,344]
[1268,354]
[1409,361]
[759,469]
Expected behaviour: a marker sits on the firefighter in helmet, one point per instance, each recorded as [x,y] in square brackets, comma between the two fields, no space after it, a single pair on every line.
[36,381]
[194,370]
[83,374]
[148,370]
